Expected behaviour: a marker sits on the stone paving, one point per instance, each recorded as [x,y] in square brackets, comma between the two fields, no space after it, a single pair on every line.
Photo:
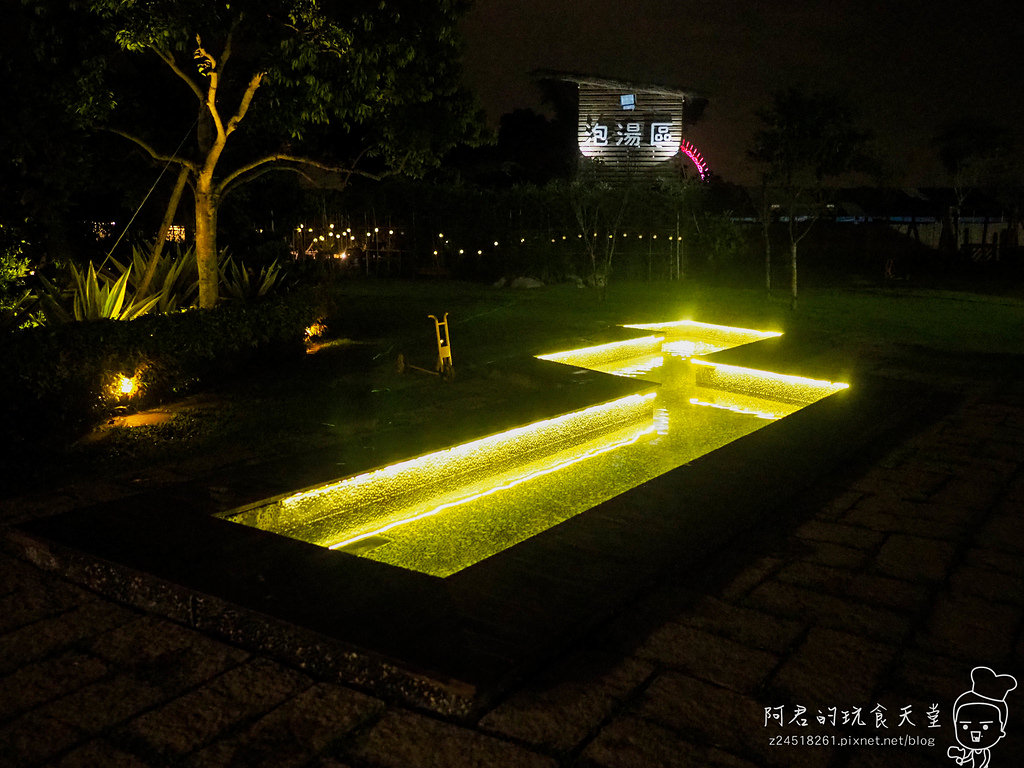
[883,588]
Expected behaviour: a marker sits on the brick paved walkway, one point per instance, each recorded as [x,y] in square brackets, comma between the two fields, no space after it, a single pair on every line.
[885,588]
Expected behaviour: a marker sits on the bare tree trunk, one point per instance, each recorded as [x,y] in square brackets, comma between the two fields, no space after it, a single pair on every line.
[206,243]
[165,227]
[615,236]
[766,220]
[678,252]
[792,267]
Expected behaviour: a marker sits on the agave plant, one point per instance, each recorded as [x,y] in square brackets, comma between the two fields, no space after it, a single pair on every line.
[171,277]
[238,284]
[93,296]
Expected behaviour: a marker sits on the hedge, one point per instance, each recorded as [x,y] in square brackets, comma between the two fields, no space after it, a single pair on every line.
[57,381]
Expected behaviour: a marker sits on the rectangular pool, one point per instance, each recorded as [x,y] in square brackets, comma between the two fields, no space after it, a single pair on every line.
[445,511]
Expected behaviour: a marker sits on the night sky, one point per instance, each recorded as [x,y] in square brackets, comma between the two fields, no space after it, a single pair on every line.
[909,67]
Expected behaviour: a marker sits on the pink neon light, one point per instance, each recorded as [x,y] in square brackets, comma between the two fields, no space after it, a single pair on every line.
[696,158]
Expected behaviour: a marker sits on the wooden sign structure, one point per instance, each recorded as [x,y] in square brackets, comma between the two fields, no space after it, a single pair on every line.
[631,129]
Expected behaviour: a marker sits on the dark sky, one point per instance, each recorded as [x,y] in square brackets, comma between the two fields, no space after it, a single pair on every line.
[909,67]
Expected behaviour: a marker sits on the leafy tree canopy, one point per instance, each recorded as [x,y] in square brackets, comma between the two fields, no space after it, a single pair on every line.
[382,73]
[227,91]
[806,138]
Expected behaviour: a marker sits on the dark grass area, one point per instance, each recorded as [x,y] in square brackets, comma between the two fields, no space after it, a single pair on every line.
[345,409]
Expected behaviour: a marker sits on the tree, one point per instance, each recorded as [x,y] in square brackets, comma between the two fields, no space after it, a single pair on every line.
[51,184]
[976,154]
[680,196]
[806,140]
[763,205]
[365,87]
[598,207]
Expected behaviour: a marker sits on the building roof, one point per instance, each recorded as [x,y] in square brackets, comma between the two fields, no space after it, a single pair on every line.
[616,84]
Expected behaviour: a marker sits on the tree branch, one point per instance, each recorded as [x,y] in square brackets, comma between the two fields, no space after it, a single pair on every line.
[253,175]
[161,235]
[152,152]
[243,106]
[241,175]
[203,56]
[168,59]
[226,53]
[209,64]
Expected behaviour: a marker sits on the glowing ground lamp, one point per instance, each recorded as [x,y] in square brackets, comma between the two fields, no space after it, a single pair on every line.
[123,387]
[315,330]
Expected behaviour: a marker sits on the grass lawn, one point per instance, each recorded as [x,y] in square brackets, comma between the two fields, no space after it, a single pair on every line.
[503,322]
[345,409]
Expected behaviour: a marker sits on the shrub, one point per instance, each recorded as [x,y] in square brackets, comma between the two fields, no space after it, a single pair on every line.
[56,381]
[16,301]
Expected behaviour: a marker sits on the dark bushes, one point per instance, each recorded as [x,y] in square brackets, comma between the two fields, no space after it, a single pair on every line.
[57,381]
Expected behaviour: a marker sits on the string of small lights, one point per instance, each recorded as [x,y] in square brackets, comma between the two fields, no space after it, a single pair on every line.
[341,241]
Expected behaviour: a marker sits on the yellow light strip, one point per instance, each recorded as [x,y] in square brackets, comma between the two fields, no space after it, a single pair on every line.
[640,368]
[766,415]
[695,324]
[504,487]
[686,349]
[615,346]
[420,462]
[780,377]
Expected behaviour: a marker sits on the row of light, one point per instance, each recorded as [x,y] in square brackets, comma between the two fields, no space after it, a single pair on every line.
[624,234]
[348,231]
[522,240]
[565,237]
[376,230]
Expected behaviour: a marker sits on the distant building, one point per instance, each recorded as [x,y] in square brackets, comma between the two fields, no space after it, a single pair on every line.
[633,128]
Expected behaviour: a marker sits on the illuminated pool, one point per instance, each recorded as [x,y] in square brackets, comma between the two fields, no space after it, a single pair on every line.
[442,512]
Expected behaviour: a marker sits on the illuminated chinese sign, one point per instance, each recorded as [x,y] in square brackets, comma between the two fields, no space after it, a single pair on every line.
[632,128]
[601,135]
[628,134]
[628,125]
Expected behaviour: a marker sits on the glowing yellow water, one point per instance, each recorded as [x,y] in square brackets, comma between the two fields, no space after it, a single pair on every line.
[445,511]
